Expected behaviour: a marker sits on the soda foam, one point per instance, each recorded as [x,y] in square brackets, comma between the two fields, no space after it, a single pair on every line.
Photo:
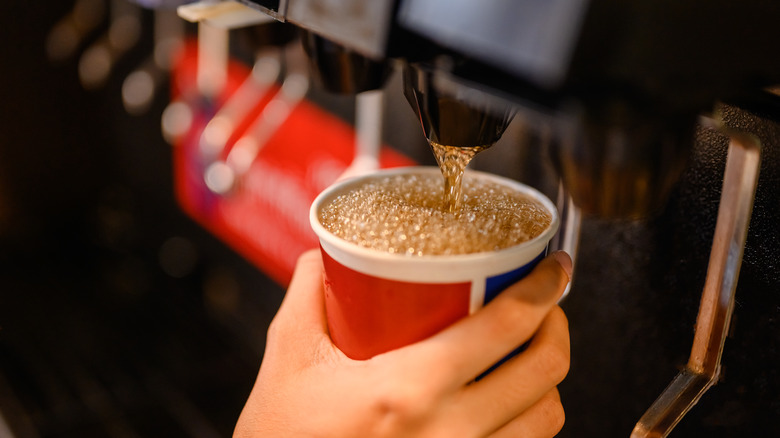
[405,214]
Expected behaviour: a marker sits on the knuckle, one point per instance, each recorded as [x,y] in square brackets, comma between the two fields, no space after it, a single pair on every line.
[560,318]
[553,361]
[554,354]
[551,413]
[402,404]
[513,316]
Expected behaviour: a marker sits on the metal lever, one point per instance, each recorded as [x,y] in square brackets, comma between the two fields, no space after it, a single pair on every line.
[99,60]
[221,176]
[223,125]
[142,85]
[717,301]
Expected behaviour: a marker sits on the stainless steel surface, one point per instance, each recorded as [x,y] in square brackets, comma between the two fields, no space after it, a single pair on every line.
[361,25]
[340,69]
[275,8]
[533,39]
[717,301]
[625,71]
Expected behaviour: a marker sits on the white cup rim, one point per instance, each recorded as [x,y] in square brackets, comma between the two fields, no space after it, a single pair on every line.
[500,261]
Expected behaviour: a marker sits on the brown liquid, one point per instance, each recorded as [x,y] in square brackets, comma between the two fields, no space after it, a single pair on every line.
[403,214]
[452,163]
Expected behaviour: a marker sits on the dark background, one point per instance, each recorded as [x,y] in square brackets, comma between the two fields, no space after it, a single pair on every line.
[101,336]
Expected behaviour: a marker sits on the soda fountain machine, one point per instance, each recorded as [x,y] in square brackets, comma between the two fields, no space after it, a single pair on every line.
[627,98]
[655,124]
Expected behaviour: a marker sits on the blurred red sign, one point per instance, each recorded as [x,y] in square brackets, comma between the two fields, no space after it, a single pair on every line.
[265,217]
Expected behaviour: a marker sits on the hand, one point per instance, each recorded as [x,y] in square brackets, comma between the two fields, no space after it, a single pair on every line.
[308,387]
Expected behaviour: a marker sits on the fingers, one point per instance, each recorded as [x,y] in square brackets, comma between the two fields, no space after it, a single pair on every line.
[542,420]
[473,344]
[520,382]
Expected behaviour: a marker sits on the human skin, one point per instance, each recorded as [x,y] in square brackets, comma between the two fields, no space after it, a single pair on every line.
[307,387]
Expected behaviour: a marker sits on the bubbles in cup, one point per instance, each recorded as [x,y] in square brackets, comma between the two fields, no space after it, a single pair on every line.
[404,214]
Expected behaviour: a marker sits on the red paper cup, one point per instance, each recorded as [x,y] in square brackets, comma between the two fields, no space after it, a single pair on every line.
[377,301]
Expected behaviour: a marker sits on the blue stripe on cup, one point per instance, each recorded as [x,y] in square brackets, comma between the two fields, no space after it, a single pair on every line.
[493,286]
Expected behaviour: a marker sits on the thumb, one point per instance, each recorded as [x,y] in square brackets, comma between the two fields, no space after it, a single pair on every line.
[300,326]
[303,307]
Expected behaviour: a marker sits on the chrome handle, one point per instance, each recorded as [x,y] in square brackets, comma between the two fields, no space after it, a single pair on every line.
[717,301]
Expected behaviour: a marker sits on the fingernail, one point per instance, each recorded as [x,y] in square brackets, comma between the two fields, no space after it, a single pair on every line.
[564,260]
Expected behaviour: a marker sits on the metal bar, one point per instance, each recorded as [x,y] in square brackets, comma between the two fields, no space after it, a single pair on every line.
[717,301]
